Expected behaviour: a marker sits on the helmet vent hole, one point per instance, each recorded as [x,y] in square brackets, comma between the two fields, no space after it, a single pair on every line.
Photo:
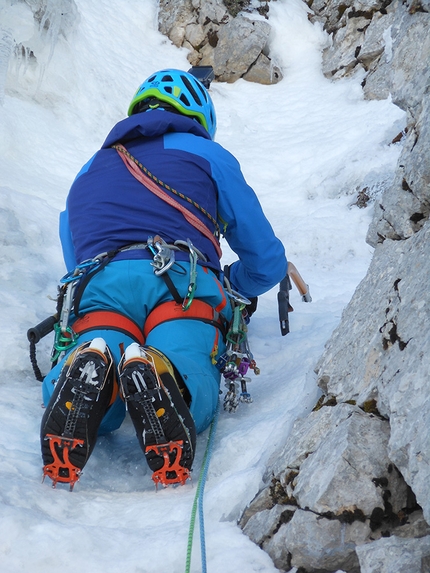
[192,90]
[184,100]
[202,91]
[168,89]
[167,79]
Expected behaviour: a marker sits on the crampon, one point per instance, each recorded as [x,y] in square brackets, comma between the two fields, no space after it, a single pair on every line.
[163,423]
[171,472]
[61,469]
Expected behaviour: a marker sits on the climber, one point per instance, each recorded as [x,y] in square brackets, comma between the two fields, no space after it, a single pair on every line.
[143,307]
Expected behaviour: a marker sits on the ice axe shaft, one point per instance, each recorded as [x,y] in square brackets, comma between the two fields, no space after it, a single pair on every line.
[302,287]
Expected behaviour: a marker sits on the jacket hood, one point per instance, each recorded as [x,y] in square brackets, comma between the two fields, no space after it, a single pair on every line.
[153,124]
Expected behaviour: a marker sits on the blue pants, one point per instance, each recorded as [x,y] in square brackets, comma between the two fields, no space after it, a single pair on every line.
[130,287]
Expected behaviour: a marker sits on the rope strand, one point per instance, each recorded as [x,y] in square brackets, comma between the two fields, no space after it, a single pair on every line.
[198,499]
[122,149]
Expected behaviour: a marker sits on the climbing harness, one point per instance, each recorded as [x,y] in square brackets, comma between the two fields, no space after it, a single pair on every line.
[171,310]
[164,260]
[233,364]
[73,284]
[198,499]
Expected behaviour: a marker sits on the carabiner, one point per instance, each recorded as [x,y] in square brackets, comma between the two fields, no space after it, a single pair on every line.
[193,277]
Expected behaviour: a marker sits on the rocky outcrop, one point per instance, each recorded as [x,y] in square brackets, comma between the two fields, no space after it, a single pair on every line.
[219,35]
[350,488]
[332,488]
[388,44]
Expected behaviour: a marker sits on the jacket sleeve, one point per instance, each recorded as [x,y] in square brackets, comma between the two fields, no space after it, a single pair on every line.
[66,242]
[262,262]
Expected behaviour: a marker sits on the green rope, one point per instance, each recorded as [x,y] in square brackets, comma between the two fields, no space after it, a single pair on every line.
[199,496]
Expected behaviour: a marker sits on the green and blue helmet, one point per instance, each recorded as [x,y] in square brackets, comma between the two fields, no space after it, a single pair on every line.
[181,90]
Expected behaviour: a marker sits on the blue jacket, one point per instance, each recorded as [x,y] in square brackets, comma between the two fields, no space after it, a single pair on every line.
[108,208]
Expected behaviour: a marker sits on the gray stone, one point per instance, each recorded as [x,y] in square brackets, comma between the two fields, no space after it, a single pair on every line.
[410,64]
[415,526]
[261,502]
[337,477]
[173,18]
[214,11]
[336,13]
[375,40]
[305,437]
[264,524]
[342,54]
[404,68]
[376,85]
[240,43]
[235,47]
[381,350]
[195,34]
[263,71]
[319,544]
[392,554]
[339,462]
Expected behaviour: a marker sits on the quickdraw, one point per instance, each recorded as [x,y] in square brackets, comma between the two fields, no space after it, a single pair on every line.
[237,359]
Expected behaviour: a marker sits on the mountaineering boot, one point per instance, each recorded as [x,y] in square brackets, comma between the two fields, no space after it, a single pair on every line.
[163,423]
[71,420]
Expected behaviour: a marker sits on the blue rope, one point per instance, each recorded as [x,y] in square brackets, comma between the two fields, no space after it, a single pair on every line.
[199,498]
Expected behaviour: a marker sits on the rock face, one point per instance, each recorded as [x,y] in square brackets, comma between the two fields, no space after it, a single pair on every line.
[389,43]
[350,489]
[235,45]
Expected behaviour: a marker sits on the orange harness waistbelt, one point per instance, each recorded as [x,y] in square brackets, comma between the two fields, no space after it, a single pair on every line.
[171,310]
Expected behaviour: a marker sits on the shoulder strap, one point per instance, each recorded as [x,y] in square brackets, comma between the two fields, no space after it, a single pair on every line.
[137,171]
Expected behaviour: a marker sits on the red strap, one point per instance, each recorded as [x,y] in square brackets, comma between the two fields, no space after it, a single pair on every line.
[149,184]
[171,310]
[109,320]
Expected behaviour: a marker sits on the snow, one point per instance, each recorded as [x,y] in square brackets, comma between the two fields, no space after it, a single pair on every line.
[306,145]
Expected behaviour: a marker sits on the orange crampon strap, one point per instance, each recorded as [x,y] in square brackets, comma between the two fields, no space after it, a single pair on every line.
[56,469]
[181,473]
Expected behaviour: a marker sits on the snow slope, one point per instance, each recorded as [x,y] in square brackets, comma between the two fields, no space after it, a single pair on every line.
[306,145]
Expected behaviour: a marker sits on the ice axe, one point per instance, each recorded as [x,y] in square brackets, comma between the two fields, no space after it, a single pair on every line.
[284,306]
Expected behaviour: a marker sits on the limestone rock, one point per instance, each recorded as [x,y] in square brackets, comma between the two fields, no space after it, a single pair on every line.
[338,478]
[410,63]
[235,47]
[173,18]
[374,43]
[341,53]
[316,544]
[357,469]
[233,58]
[381,351]
[264,524]
[395,554]
[263,71]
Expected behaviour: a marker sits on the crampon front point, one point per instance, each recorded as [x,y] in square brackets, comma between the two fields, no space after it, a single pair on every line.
[61,469]
[172,472]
